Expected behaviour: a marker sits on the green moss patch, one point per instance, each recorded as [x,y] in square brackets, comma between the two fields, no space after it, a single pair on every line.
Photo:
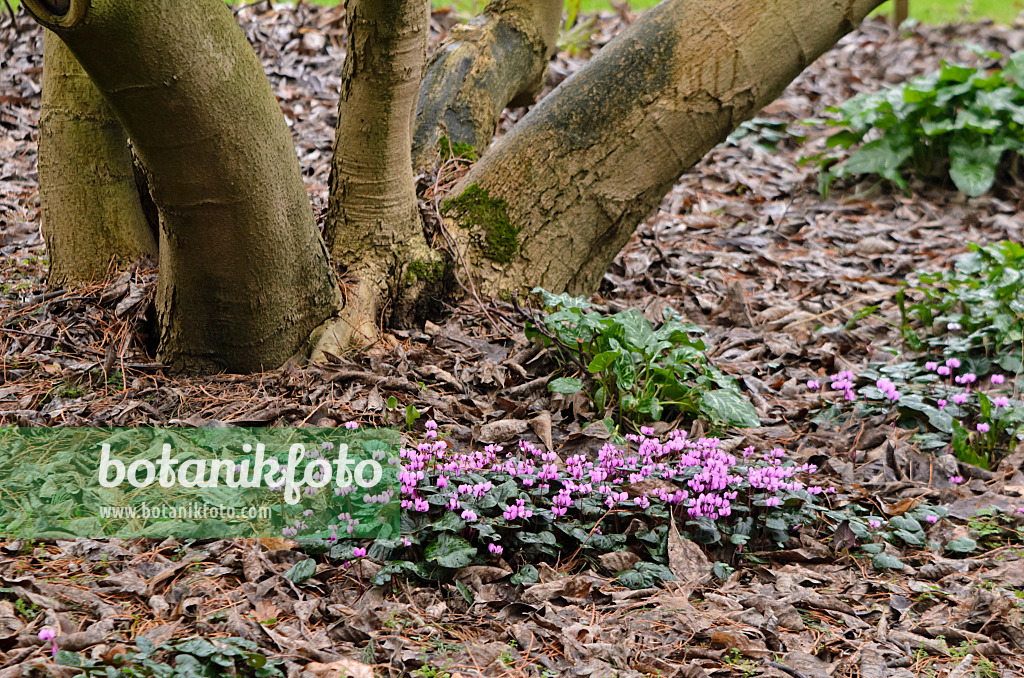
[457,150]
[427,272]
[478,211]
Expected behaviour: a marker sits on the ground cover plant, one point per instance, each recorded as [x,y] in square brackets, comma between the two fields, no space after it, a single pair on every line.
[743,247]
[185,658]
[632,369]
[962,331]
[961,121]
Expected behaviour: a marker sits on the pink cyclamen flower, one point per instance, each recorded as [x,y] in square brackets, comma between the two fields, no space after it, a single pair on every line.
[1001,401]
[932,519]
[46,634]
[956,480]
[351,425]
[358,552]
[931,366]
[943,370]
[874,524]
[960,398]
[997,378]
[953,363]
[496,549]
[942,403]
[983,428]
[813,385]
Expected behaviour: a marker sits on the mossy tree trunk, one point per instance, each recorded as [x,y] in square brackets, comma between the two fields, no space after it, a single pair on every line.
[498,59]
[373,222]
[245,280]
[92,217]
[557,198]
[244,275]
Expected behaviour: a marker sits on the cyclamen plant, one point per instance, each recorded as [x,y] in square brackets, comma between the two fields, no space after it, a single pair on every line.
[524,504]
[973,420]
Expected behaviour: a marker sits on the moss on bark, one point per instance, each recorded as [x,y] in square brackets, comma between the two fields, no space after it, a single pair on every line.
[487,219]
[596,157]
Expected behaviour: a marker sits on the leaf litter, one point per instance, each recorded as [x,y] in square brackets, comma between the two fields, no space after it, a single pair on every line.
[743,246]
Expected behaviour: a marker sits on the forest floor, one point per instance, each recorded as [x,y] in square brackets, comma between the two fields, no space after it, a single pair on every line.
[743,246]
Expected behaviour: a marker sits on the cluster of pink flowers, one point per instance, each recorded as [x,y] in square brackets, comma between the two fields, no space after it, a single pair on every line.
[517,511]
[888,389]
[708,480]
[294,529]
[843,383]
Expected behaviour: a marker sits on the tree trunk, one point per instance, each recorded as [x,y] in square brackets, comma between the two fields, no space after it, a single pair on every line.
[900,12]
[244,275]
[498,59]
[373,222]
[557,198]
[91,213]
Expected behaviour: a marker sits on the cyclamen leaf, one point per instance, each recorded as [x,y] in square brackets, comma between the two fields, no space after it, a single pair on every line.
[450,551]
[962,545]
[302,570]
[973,167]
[884,561]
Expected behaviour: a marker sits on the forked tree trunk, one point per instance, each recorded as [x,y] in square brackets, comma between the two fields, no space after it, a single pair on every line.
[91,214]
[244,275]
[559,196]
[498,59]
[373,223]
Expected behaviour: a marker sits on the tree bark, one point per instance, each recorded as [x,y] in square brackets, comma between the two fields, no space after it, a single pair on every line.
[498,59]
[557,198]
[900,12]
[244,275]
[373,222]
[91,213]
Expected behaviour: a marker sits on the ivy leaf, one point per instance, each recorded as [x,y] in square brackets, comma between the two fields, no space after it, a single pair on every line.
[450,551]
[729,408]
[565,385]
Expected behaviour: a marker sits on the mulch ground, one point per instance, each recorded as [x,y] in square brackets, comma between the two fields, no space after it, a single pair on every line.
[743,245]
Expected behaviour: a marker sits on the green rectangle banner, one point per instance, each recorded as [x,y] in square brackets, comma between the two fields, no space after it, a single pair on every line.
[318,483]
